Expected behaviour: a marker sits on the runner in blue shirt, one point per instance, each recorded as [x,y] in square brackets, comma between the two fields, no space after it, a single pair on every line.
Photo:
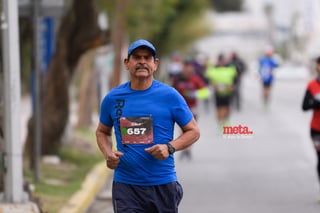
[143,112]
[267,64]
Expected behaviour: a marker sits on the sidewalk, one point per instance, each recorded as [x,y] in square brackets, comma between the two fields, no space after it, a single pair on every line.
[95,190]
[96,180]
[27,207]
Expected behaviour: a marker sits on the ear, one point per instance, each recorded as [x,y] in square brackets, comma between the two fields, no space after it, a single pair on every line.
[156,63]
[125,62]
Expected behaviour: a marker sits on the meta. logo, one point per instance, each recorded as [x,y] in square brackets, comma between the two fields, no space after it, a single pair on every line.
[235,130]
[239,131]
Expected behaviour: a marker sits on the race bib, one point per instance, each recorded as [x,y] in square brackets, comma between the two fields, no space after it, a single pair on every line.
[221,87]
[136,130]
[265,72]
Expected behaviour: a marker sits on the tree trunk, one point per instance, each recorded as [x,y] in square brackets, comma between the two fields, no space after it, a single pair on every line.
[2,163]
[118,38]
[2,145]
[79,31]
[88,90]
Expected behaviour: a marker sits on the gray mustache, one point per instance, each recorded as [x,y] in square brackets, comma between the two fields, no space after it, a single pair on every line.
[141,67]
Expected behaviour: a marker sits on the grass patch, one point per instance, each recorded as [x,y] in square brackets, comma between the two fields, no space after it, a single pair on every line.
[59,182]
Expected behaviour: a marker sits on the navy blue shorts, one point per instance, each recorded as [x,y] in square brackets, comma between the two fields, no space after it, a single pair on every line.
[267,82]
[146,199]
[222,100]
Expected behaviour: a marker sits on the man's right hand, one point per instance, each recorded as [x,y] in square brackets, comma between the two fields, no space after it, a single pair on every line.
[113,159]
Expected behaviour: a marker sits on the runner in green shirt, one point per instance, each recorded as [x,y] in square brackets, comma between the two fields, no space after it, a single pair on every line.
[222,78]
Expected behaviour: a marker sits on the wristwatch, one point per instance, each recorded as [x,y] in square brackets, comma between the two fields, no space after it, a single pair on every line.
[171,149]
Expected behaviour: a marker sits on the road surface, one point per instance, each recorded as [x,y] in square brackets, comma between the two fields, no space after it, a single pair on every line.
[272,170]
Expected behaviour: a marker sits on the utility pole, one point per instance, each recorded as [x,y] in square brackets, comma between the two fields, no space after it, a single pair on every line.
[13,192]
[37,95]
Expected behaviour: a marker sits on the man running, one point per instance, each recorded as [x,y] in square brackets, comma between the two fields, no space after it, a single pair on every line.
[311,101]
[222,78]
[187,83]
[266,66]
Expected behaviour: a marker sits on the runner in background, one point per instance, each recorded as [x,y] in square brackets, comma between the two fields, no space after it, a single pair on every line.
[174,67]
[241,67]
[311,101]
[222,78]
[200,64]
[187,83]
[267,64]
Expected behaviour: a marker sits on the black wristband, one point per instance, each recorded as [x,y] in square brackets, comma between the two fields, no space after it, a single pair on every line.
[171,149]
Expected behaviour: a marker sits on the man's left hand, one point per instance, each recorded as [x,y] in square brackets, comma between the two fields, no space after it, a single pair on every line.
[159,151]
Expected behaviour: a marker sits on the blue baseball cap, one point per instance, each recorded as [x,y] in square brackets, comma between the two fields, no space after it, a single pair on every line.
[141,43]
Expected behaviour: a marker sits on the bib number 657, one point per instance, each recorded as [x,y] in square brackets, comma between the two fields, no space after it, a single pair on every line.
[136,131]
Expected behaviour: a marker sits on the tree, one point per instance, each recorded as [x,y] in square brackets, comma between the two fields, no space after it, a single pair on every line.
[183,25]
[169,24]
[77,34]
[1,131]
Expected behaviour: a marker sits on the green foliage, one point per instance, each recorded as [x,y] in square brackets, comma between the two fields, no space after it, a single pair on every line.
[169,24]
[149,17]
[184,27]
[227,5]
[59,182]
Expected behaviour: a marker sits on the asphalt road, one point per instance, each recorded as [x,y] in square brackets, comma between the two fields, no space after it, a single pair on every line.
[273,170]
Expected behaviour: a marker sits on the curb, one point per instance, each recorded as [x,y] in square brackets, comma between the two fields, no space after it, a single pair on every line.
[93,183]
[28,207]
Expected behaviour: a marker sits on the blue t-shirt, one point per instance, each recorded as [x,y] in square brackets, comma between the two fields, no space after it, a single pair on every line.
[162,106]
[266,66]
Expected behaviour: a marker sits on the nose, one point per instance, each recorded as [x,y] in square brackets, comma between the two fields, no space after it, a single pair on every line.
[142,60]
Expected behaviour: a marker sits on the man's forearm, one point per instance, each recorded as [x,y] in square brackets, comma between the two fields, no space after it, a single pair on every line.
[185,140]
[104,143]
